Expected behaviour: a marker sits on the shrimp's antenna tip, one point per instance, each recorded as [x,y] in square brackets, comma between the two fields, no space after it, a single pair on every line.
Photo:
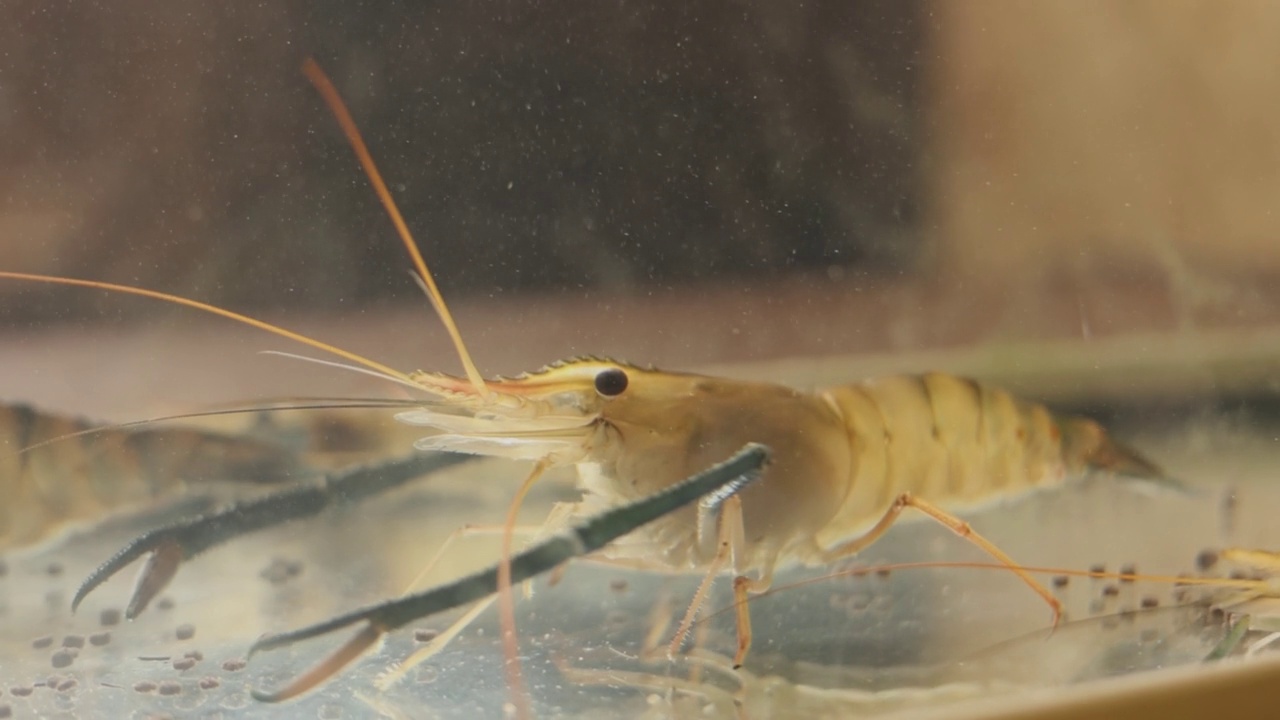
[339,109]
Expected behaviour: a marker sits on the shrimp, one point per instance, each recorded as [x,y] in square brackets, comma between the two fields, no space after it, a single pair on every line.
[846,461]
[51,486]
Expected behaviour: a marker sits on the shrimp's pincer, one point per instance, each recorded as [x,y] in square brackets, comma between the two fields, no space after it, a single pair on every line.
[169,546]
[726,479]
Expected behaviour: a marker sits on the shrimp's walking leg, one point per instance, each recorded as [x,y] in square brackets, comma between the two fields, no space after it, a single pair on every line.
[699,597]
[559,513]
[725,479]
[743,585]
[724,514]
[169,546]
[956,525]
[466,532]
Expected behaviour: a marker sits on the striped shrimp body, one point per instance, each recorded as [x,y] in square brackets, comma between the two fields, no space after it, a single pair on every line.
[845,461]
[55,474]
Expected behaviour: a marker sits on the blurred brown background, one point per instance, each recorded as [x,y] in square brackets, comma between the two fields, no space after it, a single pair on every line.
[677,183]
[603,146]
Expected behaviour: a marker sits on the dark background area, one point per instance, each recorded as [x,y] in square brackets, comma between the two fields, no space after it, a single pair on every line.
[622,146]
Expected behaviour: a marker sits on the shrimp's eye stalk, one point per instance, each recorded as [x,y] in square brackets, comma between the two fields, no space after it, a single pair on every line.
[611,382]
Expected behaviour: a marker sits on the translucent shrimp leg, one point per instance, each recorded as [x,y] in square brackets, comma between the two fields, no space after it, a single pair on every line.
[725,479]
[169,546]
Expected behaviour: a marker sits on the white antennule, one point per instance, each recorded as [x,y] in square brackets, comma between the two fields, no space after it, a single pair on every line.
[340,112]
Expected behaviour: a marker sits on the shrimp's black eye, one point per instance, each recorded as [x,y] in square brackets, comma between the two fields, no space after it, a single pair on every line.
[611,382]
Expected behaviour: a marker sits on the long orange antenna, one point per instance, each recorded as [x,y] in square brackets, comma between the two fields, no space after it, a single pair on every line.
[215,310]
[339,109]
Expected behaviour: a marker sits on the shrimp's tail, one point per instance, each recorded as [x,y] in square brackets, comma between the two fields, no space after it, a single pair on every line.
[1089,449]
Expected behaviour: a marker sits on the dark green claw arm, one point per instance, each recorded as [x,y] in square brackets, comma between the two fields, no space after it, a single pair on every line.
[720,481]
[169,546]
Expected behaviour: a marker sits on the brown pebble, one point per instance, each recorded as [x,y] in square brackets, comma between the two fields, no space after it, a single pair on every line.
[164,603]
[882,573]
[1111,590]
[21,691]
[108,617]
[42,642]
[170,687]
[233,665]
[73,641]
[1060,581]
[100,639]
[1127,573]
[1206,559]
[619,585]
[1150,601]
[423,635]
[186,631]
[183,664]
[1097,569]
[53,569]
[209,683]
[145,686]
[66,685]
[62,658]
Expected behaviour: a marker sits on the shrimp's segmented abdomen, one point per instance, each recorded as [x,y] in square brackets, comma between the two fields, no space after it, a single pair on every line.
[958,443]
